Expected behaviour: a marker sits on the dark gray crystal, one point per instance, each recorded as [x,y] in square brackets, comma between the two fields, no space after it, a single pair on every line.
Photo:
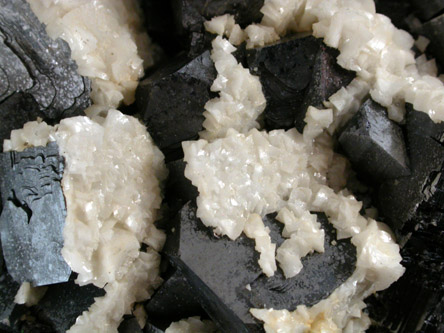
[129,325]
[399,199]
[64,302]
[174,300]
[33,216]
[427,9]
[327,78]
[219,270]
[375,144]
[33,63]
[285,70]
[434,31]
[171,101]
[191,14]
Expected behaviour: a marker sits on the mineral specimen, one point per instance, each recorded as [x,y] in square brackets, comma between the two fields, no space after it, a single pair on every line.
[172,101]
[33,63]
[374,144]
[227,281]
[33,216]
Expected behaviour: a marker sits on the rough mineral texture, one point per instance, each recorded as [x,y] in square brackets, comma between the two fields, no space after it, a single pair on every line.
[8,290]
[172,100]
[33,216]
[64,302]
[374,144]
[221,271]
[295,73]
[33,63]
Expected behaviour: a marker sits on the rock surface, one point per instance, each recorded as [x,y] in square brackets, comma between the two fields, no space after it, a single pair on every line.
[37,66]
[33,216]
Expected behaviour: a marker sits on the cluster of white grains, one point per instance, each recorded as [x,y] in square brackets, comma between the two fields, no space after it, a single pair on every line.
[240,100]
[242,176]
[107,41]
[111,184]
[369,44]
[192,324]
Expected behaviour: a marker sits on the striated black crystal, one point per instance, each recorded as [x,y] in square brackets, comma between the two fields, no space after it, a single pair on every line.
[219,270]
[171,101]
[32,63]
[33,216]
[375,144]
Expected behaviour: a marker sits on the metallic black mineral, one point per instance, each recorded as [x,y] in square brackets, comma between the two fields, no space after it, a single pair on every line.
[218,271]
[295,73]
[375,144]
[171,101]
[64,302]
[39,67]
[33,216]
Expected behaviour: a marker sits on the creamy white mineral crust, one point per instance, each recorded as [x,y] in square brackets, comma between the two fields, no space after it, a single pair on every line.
[240,100]
[111,184]
[107,41]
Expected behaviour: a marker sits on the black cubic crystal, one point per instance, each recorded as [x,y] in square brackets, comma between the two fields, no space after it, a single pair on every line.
[221,271]
[375,144]
[172,101]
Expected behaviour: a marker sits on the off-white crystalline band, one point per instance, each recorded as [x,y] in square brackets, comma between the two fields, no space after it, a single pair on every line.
[111,186]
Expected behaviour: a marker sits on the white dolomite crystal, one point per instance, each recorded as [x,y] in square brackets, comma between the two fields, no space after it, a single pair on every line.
[255,229]
[111,184]
[192,325]
[107,42]
[240,100]
[29,295]
[377,267]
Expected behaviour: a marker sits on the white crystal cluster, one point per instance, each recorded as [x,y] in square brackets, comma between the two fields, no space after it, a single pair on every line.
[192,324]
[111,184]
[240,100]
[243,176]
[107,41]
[368,42]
